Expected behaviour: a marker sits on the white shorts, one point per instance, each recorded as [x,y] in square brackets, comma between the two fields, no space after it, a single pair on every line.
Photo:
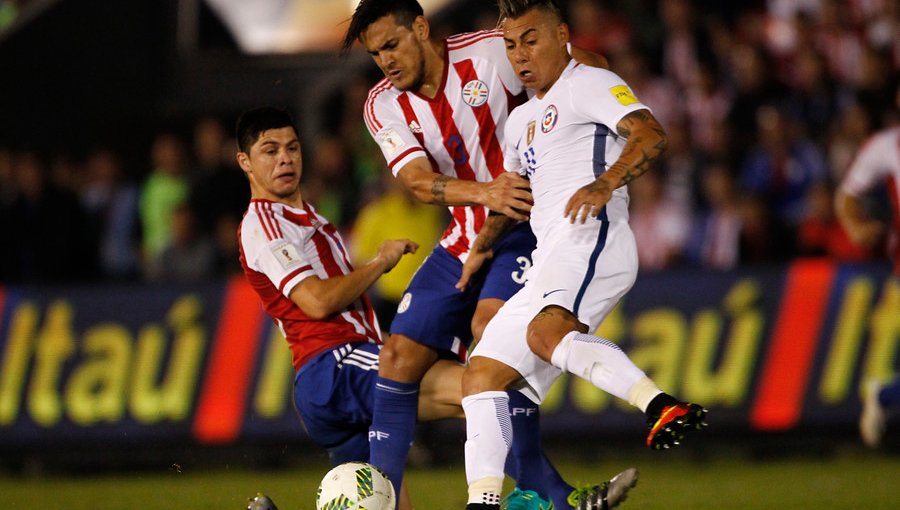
[585,270]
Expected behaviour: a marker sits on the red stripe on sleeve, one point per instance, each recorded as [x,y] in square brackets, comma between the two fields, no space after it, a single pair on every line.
[220,410]
[260,213]
[785,375]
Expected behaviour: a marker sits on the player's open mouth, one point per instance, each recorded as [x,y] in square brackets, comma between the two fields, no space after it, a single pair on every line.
[524,74]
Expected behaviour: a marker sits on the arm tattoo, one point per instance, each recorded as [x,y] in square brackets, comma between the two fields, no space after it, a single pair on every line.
[438,187]
[646,142]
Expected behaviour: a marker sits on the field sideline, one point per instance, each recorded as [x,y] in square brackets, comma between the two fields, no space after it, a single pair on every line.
[670,480]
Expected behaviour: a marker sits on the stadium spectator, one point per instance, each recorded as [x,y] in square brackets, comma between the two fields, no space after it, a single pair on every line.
[111,202]
[189,256]
[395,214]
[164,190]
[714,241]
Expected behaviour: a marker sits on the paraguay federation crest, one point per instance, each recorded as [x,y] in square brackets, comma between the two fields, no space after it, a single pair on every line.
[475,93]
[549,120]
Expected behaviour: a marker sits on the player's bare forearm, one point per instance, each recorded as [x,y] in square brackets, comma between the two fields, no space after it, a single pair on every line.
[508,193]
[645,144]
[493,229]
[319,298]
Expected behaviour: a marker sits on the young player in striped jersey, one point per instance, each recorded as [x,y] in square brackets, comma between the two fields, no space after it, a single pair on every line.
[580,140]
[297,263]
[876,165]
[438,117]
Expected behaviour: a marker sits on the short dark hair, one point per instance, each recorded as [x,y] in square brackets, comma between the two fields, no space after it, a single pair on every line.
[370,11]
[253,122]
[518,8]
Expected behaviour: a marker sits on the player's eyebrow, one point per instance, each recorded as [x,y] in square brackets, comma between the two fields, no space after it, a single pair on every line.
[523,35]
[390,43]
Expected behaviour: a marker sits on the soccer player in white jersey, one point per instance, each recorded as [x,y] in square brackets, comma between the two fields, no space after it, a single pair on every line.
[438,117]
[876,165]
[580,139]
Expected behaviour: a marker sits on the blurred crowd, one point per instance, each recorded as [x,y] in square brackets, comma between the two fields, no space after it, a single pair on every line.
[765,104]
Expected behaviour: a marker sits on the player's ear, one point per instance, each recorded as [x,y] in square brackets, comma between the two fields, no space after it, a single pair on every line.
[421,28]
[243,160]
[562,33]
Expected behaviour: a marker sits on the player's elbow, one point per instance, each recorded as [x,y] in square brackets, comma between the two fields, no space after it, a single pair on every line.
[316,309]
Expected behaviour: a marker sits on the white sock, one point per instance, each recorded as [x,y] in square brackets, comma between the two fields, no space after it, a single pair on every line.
[488,438]
[605,365]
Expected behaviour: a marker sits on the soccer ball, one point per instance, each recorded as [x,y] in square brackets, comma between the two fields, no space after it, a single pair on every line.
[355,485]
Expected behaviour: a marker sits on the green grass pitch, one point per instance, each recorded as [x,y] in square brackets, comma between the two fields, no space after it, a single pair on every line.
[669,480]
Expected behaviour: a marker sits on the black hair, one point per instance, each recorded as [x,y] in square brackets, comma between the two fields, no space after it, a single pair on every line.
[370,11]
[254,122]
[518,8]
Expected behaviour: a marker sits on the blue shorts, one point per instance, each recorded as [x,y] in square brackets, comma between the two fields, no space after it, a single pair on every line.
[334,396]
[434,313]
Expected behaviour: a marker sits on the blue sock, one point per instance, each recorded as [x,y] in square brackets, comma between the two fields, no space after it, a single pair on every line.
[393,426]
[890,394]
[533,470]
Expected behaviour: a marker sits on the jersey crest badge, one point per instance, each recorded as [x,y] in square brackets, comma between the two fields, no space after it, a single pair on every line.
[404,303]
[529,134]
[623,95]
[549,120]
[475,93]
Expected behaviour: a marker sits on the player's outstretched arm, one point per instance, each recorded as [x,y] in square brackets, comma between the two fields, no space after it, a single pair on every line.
[508,193]
[863,231]
[319,298]
[645,143]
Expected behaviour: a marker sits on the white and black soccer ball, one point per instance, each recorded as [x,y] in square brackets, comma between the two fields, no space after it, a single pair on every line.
[355,485]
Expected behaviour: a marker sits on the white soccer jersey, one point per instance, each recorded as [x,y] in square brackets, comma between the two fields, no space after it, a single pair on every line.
[280,247]
[878,164]
[460,131]
[566,139]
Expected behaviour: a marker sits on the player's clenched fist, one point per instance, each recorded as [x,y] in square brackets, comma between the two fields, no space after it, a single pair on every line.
[391,250]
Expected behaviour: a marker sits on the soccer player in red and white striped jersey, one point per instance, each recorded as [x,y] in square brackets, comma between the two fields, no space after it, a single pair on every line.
[298,265]
[877,165]
[438,117]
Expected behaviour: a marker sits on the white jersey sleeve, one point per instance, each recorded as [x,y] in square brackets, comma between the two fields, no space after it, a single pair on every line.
[387,125]
[283,261]
[601,96]
[876,161]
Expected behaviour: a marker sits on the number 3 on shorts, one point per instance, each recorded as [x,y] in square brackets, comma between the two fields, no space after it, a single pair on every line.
[524,265]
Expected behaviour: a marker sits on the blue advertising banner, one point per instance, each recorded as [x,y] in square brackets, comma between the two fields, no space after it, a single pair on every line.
[770,349]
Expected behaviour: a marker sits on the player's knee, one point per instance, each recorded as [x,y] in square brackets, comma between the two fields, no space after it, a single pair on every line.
[405,360]
[483,375]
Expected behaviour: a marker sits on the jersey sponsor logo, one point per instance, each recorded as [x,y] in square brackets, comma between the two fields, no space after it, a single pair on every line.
[623,95]
[529,133]
[404,303]
[550,117]
[286,254]
[475,93]
[391,142]
[415,127]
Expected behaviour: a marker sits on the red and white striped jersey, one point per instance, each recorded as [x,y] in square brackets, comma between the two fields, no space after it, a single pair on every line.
[878,164]
[280,247]
[460,131]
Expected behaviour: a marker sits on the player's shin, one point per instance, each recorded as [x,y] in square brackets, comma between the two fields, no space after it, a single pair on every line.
[533,469]
[488,438]
[606,366]
[393,426]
